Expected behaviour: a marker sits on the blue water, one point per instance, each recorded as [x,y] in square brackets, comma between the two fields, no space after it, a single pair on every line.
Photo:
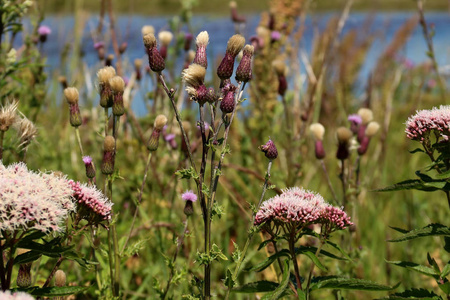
[220,29]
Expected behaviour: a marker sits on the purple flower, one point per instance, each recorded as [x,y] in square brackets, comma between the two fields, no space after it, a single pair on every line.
[169,137]
[189,196]
[355,118]
[44,30]
[99,45]
[275,35]
[87,160]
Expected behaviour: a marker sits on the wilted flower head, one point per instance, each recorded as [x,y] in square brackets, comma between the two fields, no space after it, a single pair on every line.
[153,142]
[201,42]
[147,29]
[104,75]
[194,77]
[60,278]
[234,46]
[26,132]
[366,115]
[92,205]
[8,115]
[424,122]
[155,60]
[31,200]
[301,208]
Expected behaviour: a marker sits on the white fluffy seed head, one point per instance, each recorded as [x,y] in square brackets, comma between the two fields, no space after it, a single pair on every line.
[194,75]
[147,29]
[372,128]
[149,40]
[71,94]
[109,144]
[160,122]
[344,134]
[235,44]
[165,37]
[202,39]
[366,115]
[117,84]
[105,74]
[317,130]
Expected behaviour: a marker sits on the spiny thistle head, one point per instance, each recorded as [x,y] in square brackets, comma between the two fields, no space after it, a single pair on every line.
[105,74]
[235,44]
[117,84]
[60,278]
[201,42]
[270,150]
[26,131]
[372,128]
[244,70]
[227,104]
[366,115]
[160,122]
[8,115]
[147,29]
[90,170]
[71,94]
[165,37]
[317,130]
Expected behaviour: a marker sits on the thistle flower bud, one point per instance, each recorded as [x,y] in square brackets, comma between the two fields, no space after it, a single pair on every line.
[190,198]
[165,37]
[104,75]
[100,47]
[234,46]
[366,116]
[318,131]
[109,148]
[244,70]
[355,121]
[90,169]
[8,115]
[343,136]
[43,32]
[187,41]
[153,142]
[227,104]
[155,60]
[137,68]
[71,95]
[269,150]
[123,47]
[281,70]
[371,130]
[24,274]
[201,42]
[211,96]
[60,278]
[147,29]
[117,87]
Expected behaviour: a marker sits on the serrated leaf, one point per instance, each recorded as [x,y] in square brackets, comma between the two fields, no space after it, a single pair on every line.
[279,291]
[414,294]
[343,283]
[445,287]
[415,267]
[27,257]
[229,282]
[445,270]
[399,229]
[429,230]
[433,263]
[409,184]
[54,291]
[268,261]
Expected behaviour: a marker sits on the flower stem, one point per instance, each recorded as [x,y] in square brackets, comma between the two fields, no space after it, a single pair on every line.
[294,257]
[325,171]
[311,271]
[2,133]
[77,132]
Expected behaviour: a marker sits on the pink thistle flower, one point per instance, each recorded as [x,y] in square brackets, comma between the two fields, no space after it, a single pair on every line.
[189,196]
[44,30]
[355,118]
[424,122]
[87,160]
[30,200]
[92,204]
[99,45]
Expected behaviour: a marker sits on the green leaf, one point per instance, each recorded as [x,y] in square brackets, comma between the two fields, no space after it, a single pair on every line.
[447,244]
[312,256]
[433,263]
[399,229]
[417,150]
[263,244]
[268,261]
[187,173]
[322,252]
[409,184]
[445,270]
[54,291]
[445,287]
[50,249]
[412,294]
[88,264]
[27,257]
[280,290]
[337,247]
[429,230]
[262,286]
[343,283]
[229,282]
[415,267]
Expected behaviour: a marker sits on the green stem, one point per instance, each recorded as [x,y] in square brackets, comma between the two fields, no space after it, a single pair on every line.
[77,132]
[294,257]
[111,262]
[324,167]
[2,133]
[106,121]
[311,271]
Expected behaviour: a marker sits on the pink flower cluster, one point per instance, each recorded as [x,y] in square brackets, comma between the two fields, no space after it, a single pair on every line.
[30,200]
[297,205]
[7,295]
[419,126]
[91,200]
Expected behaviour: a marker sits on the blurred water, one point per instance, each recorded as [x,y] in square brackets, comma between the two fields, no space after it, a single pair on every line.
[220,29]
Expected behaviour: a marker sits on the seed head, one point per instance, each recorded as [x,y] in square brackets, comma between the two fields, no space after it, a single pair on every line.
[155,60]
[60,278]
[165,37]
[109,144]
[160,122]
[194,75]
[201,42]
[366,115]
[105,74]
[372,128]
[71,94]
[190,56]
[147,29]
[117,84]
[317,131]
[149,40]
[8,115]
[26,132]
[202,39]
[280,67]
[235,44]
[343,135]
